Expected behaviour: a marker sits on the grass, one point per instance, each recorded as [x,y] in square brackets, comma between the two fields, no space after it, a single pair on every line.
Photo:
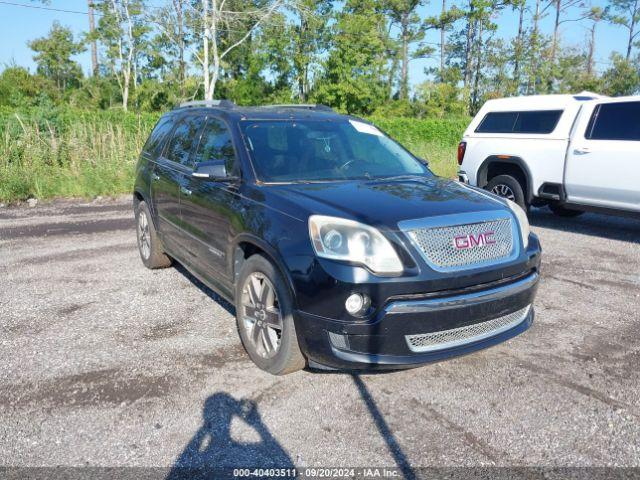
[69,153]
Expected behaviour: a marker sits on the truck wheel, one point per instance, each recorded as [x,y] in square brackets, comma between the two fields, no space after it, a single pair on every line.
[506,186]
[149,246]
[561,211]
[264,314]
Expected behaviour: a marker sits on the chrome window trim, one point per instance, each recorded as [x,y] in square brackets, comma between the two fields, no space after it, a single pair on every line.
[461,219]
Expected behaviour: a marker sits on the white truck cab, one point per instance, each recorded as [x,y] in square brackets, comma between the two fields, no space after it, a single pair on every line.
[571,152]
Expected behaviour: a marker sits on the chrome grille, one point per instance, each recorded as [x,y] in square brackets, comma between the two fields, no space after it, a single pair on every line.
[437,244]
[428,342]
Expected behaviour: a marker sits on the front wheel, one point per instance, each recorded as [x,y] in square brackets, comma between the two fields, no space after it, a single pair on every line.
[508,187]
[264,314]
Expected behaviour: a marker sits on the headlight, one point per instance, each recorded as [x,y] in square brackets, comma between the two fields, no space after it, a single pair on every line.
[347,240]
[523,221]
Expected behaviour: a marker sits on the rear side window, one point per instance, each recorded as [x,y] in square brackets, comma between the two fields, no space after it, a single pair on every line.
[216,144]
[615,121]
[158,136]
[538,121]
[185,138]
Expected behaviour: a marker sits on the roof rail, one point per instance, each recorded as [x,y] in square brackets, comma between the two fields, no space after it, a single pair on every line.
[302,106]
[208,103]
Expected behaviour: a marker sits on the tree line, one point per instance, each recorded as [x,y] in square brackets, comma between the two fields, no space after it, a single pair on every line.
[354,55]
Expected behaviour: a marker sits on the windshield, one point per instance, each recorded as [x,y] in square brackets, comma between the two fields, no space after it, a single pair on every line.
[322,150]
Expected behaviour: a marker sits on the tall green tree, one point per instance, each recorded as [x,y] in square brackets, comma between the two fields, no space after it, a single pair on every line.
[621,78]
[626,13]
[309,36]
[53,56]
[356,67]
[122,30]
[403,14]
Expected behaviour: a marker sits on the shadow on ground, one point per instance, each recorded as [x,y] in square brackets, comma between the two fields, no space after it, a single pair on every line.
[593,224]
[218,445]
[206,290]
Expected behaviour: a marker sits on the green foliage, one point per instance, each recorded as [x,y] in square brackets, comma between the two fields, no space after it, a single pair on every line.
[53,56]
[441,99]
[62,152]
[18,88]
[55,152]
[622,78]
[353,79]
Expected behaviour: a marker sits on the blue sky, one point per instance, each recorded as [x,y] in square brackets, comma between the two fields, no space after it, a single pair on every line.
[18,25]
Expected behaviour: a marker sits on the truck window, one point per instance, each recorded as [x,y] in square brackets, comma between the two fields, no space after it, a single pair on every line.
[615,121]
[185,137]
[537,121]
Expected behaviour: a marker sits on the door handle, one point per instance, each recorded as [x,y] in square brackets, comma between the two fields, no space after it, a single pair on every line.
[186,191]
[155,177]
[581,150]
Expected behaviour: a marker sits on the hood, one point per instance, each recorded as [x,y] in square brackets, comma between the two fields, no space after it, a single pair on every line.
[381,203]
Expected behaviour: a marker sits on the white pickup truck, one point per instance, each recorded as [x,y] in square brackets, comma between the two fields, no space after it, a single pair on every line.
[571,152]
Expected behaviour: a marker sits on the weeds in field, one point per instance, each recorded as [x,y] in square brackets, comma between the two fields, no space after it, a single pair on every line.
[62,152]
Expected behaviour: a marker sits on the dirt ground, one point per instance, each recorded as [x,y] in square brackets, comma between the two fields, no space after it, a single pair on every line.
[105,363]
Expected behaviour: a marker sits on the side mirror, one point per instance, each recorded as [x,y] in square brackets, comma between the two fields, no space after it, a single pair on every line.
[212,170]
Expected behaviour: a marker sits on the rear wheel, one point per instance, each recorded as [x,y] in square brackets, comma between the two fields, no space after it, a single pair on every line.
[149,245]
[264,310]
[561,211]
[508,187]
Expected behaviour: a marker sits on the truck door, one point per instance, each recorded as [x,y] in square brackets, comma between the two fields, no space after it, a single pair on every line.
[603,161]
[210,210]
[169,180]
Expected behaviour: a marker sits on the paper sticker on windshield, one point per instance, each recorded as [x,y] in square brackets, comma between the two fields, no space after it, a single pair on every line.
[365,128]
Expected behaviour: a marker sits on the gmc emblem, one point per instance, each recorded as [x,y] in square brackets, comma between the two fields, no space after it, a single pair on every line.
[464,242]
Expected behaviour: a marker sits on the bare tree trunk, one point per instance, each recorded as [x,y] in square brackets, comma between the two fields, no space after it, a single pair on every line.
[94,43]
[518,48]
[592,47]
[469,45]
[219,15]
[556,31]
[205,46]
[443,38]
[302,67]
[182,69]
[531,84]
[404,69]
[632,28]
[213,30]
[478,73]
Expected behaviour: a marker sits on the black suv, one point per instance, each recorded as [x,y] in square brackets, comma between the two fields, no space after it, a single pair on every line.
[338,247]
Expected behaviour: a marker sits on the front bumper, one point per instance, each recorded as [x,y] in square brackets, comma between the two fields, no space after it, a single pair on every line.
[383,342]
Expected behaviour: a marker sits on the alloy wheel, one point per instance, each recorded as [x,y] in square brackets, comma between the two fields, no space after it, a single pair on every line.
[504,191]
[261,316]
[144,237]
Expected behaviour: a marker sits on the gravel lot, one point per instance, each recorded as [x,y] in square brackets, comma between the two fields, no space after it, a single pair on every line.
[105,363]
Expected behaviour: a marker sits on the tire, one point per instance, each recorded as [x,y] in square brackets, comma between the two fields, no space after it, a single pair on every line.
[561,211]
[149,245]
[265,317]
[506,186]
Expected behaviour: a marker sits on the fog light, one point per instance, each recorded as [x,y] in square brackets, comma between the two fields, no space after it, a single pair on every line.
[357,304]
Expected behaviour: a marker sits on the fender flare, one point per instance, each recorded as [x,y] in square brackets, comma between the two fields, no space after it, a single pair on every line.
[146,198]
[271,253]
[513,160]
